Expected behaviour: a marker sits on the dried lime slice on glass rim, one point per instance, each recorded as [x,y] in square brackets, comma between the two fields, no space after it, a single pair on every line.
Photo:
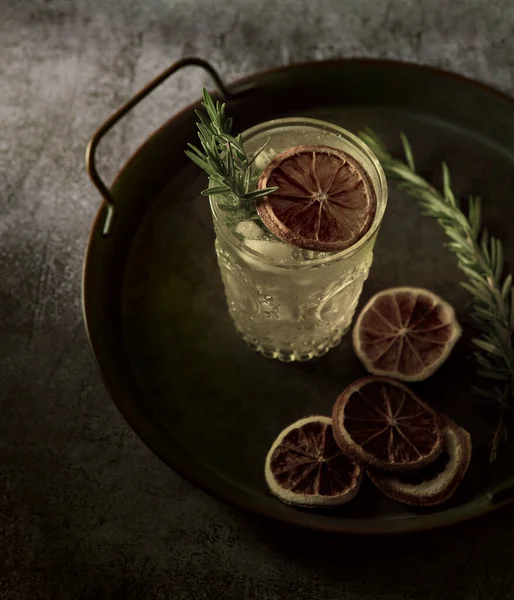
[324,201]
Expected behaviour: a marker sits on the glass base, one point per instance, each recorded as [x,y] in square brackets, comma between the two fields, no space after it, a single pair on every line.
[288,355]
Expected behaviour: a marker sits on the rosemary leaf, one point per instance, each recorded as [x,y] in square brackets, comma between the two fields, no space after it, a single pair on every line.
[447,190]
[261,193]
[484,241]
[482,360]
[222,189]
[196,159]
[485,392]
[484,313]
[499,261]
[487,346]
[477,277]
[478,292]
[407,150]
[498,374]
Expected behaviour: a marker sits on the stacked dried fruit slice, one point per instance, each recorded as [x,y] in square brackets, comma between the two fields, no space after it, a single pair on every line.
[381,423]
[435,483]
[412,454]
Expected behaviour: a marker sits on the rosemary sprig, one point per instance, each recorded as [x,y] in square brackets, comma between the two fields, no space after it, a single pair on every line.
[480,258]
[224,159]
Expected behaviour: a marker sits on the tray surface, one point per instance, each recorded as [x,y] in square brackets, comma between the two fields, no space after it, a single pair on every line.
[156,313]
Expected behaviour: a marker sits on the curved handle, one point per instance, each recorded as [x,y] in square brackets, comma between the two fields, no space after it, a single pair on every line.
[126,108]
[505,493]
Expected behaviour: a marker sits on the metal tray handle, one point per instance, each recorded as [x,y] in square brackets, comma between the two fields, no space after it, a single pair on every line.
[503,494]
[126,108]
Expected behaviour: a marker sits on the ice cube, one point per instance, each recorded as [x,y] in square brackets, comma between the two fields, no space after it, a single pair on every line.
[271,249]
[249,230]
[314,254]
[281,253]
[278,251]
[264,158]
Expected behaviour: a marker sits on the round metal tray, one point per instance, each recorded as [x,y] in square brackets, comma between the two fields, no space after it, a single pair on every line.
[155,311]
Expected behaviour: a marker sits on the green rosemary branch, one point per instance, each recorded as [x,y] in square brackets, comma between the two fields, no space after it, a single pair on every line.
[480,258]
[230,170]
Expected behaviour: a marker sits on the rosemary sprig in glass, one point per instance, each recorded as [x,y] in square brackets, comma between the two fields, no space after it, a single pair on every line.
[230,170]
[480,258]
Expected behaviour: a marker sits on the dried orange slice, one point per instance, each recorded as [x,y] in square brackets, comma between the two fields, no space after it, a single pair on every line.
[405,333]
[324,201]
[305,466]
[437,482]
[380,423]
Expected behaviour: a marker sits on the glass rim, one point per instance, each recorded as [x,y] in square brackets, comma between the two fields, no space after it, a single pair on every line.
[334,256]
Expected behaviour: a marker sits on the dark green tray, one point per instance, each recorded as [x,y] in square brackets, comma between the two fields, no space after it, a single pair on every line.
[155,312]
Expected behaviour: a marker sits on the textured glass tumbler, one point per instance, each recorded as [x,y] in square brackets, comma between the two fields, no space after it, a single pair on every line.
[288,303]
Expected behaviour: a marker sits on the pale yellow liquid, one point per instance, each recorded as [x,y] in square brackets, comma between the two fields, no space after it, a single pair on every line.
[301,310]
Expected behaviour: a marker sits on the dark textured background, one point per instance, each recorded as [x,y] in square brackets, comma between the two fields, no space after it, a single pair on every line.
[86,510]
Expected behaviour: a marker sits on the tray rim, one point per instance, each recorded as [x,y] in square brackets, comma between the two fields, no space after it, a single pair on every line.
[218,489]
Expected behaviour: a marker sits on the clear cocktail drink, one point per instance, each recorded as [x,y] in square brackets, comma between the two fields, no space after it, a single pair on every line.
[287,302]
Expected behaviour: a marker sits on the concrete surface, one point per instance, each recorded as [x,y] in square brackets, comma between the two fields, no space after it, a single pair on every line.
[86,510]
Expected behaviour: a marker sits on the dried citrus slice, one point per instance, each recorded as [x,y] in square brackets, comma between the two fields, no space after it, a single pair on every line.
[438,481]
[380,423]
[305,466]
[405,333]
[324,201]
